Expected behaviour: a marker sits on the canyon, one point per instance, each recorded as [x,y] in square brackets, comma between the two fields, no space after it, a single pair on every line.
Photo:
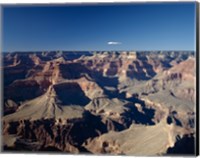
[99,102]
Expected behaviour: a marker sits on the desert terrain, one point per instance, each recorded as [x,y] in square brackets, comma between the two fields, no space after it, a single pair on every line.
[99,102]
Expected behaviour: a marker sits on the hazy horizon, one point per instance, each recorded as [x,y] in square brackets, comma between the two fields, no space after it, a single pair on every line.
[31,51]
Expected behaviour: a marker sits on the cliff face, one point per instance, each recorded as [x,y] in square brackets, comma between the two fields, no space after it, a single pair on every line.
[49,132]
[133,103]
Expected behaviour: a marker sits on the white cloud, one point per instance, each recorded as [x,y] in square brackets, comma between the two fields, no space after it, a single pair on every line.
[113,43]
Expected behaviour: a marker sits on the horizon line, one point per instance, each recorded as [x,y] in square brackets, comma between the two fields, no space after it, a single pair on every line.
[93,51]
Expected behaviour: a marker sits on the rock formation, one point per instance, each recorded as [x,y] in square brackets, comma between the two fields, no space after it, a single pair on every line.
[132,103]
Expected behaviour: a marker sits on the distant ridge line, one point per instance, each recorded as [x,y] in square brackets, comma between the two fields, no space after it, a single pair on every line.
[46,51]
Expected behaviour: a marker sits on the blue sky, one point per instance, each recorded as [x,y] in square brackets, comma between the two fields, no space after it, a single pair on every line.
[151,26]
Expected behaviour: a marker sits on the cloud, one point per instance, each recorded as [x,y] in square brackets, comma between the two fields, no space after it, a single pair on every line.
[114,43]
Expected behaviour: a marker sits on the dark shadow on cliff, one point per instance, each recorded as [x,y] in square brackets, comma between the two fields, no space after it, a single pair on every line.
[183,146]
[71,94]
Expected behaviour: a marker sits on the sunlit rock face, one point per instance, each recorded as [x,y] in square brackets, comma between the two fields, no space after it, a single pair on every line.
[132,103]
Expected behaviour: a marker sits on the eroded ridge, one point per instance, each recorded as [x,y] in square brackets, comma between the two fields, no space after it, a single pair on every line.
[132,103]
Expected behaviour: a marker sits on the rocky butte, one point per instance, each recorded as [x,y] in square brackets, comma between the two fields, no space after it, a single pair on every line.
[118,103]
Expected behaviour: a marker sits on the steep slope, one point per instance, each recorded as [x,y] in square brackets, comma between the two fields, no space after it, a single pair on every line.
[46,106]
[123,112]
[126,102]
[178,81]
[137,140]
